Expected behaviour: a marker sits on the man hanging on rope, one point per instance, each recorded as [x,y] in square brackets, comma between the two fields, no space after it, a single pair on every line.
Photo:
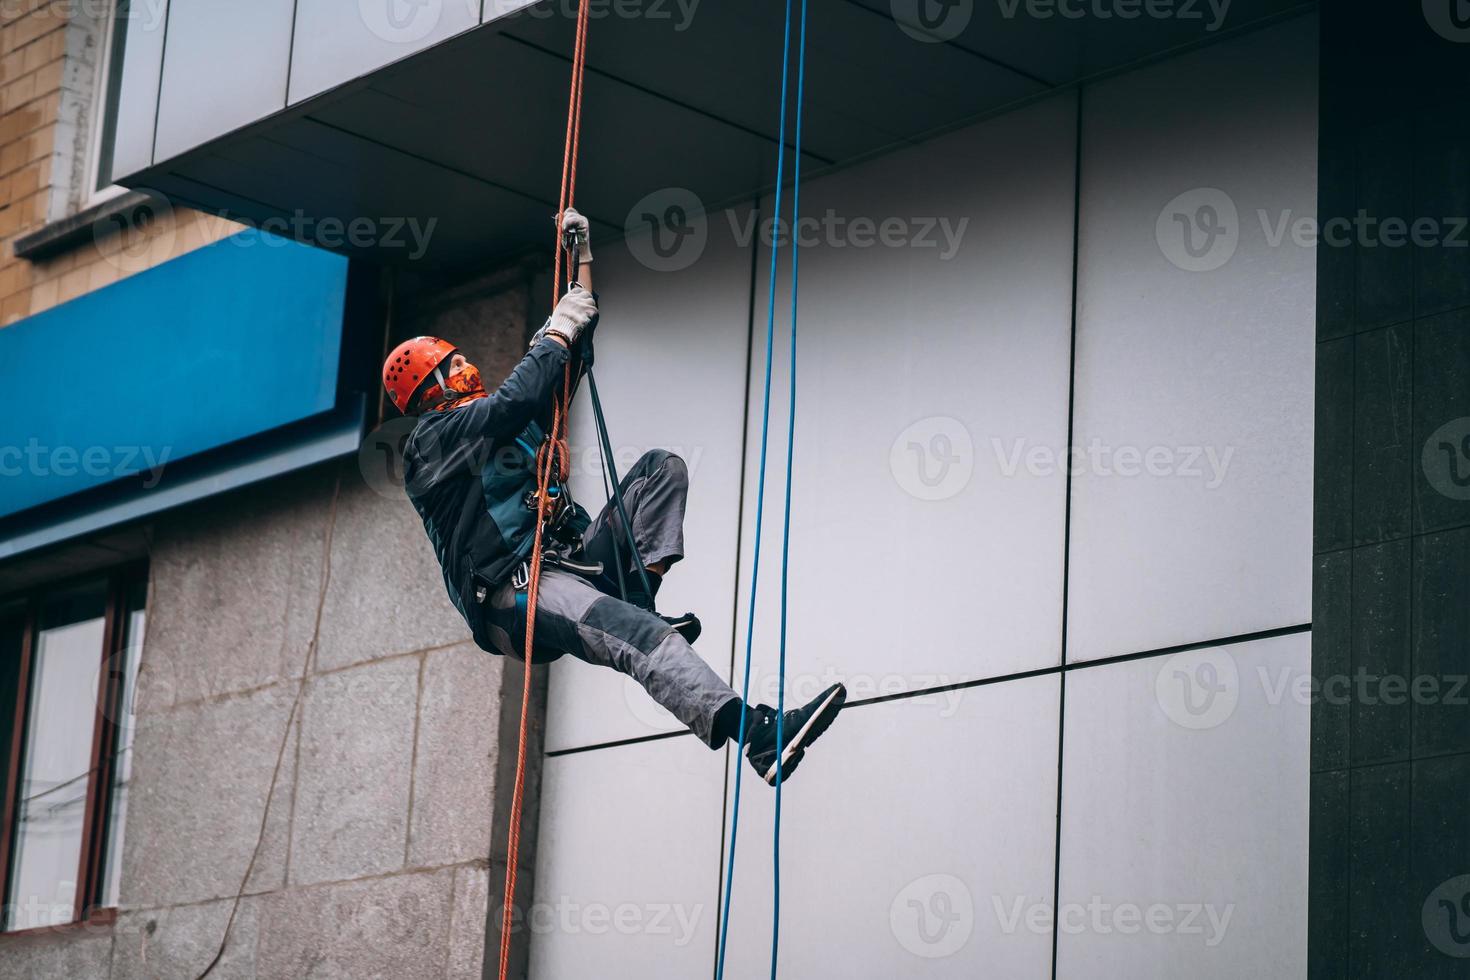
[470,471]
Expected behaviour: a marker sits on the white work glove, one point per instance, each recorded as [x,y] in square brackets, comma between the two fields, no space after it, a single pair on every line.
[573,222]
[573,313]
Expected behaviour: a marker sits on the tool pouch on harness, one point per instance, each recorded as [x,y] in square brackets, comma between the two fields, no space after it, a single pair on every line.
[496,548]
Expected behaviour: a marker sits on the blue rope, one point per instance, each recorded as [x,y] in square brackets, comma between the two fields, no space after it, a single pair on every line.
[761,498]
[786,518]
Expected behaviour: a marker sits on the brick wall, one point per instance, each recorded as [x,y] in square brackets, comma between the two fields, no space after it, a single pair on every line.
[47,61]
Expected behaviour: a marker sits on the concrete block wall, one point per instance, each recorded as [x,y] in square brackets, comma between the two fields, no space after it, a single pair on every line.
[378,851]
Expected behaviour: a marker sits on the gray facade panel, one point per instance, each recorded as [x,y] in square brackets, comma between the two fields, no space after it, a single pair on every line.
[336,42]
[137,107]
[224,66]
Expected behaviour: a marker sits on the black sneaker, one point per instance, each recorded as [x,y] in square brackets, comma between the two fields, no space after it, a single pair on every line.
[801,727]
[687,626]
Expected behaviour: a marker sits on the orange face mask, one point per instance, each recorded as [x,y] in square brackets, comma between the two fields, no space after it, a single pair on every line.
[463,384]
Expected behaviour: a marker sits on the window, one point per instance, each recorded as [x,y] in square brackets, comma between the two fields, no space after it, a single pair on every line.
[68,671]
[114,37]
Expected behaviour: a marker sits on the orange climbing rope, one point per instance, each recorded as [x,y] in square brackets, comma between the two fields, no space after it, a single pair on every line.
[553,453]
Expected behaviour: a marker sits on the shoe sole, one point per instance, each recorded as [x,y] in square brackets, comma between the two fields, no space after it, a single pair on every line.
[818,723]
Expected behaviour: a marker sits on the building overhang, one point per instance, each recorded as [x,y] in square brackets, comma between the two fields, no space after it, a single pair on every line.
[451,157]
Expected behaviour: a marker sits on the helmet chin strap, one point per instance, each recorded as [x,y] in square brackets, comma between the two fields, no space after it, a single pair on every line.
[444,389]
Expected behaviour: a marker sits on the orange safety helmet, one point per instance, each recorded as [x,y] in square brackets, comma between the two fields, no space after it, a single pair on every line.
[410,363]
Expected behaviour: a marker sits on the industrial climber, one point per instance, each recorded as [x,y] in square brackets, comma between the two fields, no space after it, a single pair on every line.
[470,471]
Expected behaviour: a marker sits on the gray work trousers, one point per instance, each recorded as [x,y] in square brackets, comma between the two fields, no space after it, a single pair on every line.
[577,615]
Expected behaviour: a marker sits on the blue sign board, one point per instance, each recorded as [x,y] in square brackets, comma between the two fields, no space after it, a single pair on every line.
[220,344]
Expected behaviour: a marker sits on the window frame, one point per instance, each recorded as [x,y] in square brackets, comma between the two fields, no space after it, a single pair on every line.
[92,866]
[92,195]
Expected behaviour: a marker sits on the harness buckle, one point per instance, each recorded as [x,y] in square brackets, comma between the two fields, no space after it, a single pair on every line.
[520,578]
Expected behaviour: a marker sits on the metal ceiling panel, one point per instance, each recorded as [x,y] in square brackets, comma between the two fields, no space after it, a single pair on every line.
[467,134]
[1060,41]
